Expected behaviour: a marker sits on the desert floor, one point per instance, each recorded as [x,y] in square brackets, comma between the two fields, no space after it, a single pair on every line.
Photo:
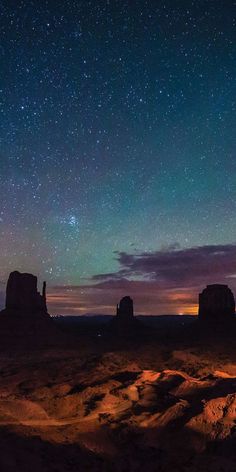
[114,402]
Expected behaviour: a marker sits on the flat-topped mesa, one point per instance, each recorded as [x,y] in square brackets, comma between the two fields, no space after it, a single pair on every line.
[22,294]
[125,309]
[216,303]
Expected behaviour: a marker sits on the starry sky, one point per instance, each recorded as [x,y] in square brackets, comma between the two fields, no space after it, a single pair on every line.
[117,150]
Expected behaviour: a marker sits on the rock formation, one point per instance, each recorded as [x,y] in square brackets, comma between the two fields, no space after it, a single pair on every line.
[25,322]
[216,303]
[125,309]
[22,294]
[125,322]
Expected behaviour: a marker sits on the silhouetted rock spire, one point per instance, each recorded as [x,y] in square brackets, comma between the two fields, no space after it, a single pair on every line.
[22,294]
[125,309]
[44,295]
[216,303]
[125,322]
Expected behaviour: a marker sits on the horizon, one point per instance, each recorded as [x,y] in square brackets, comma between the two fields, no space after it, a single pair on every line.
[93,315]
[72,297]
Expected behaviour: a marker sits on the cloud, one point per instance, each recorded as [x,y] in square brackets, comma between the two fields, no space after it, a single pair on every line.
[178,267]
[165,281]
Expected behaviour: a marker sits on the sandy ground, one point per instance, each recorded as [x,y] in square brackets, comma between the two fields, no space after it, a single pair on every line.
[119,404]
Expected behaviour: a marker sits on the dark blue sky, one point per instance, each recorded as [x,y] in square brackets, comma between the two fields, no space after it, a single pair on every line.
[117,128]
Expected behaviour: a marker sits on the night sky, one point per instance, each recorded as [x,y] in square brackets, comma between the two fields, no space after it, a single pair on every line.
[117,156]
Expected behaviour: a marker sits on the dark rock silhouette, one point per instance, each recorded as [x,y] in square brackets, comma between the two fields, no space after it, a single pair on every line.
[22,294]
[216,303]
[25,322]
[125,309]
[125,322]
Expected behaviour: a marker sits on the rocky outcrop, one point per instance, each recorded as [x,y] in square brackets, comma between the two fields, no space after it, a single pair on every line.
[125,309]
[22,294]
[25,323]
[125,322]
[216,303]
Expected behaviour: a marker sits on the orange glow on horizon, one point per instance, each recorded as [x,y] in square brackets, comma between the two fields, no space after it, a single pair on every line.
[78,302]
[189,310]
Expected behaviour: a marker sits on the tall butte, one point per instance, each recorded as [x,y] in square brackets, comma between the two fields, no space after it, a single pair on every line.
[125,309]
[22,295]
[125,322]
[216,304]
[25,322]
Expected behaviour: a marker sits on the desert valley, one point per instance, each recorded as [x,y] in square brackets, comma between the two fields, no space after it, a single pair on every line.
[113,396]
